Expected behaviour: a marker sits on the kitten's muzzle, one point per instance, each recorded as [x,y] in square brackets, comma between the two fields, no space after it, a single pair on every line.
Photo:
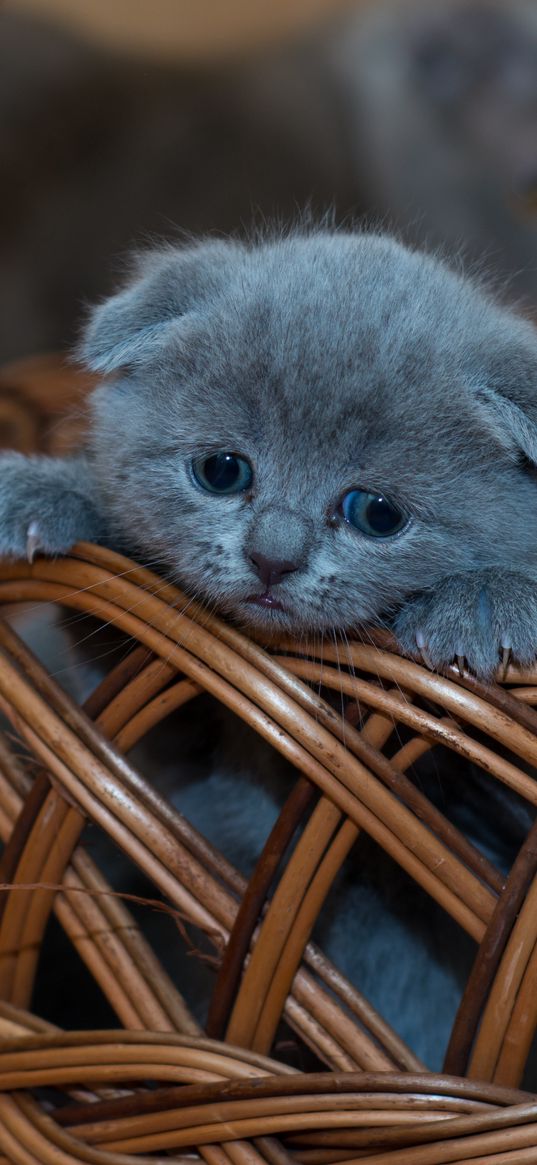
[277,543]
[271,571]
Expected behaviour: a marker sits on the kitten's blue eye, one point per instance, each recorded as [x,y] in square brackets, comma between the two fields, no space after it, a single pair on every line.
[223,473]
[372,514]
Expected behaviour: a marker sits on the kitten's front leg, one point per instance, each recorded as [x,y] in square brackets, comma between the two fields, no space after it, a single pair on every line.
[481,617]
[46,505]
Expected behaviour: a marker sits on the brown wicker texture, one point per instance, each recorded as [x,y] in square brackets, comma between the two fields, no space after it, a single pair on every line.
[221,1099]
[38,398]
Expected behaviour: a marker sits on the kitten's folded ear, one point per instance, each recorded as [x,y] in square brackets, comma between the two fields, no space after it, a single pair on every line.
[504,381]
[165,288]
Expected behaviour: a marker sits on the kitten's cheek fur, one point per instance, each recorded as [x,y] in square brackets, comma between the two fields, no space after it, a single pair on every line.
[480,617]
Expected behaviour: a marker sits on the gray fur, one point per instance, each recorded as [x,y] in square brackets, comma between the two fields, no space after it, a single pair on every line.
[47,502]
[331,361]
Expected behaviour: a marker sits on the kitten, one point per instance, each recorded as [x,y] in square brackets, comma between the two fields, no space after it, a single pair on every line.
[440,103]
[313,432]
[310,433]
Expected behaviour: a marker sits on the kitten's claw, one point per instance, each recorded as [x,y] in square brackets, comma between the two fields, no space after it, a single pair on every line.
[477,622]
[422,650]
[33,541]
[506,658]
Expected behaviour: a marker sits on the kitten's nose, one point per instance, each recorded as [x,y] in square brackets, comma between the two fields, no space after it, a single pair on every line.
[271,570]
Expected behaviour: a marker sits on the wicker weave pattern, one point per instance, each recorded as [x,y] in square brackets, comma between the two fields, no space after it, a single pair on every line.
[222,1098]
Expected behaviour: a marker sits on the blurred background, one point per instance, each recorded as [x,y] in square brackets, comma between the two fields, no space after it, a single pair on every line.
[178,28]
[124,122]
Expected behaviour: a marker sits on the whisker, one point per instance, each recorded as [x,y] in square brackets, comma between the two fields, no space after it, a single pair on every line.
[341,693]
[30,608]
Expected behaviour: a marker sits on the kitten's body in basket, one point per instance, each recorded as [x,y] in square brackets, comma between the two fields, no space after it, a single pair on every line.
[311,433]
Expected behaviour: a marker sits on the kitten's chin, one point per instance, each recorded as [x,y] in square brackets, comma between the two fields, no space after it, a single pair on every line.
[264,613]
[275,619]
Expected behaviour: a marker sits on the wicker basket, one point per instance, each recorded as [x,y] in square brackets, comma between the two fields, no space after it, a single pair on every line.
[221,1099]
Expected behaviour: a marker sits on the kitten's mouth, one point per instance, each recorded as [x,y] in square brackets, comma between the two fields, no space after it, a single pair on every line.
[267,601]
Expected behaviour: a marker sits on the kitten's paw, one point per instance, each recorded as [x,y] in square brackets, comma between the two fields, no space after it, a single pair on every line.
[482,618]
[45,506]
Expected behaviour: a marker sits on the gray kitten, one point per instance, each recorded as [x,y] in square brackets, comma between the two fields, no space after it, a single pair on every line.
[309,433]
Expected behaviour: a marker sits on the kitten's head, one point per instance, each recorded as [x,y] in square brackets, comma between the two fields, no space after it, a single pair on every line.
[306,430]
